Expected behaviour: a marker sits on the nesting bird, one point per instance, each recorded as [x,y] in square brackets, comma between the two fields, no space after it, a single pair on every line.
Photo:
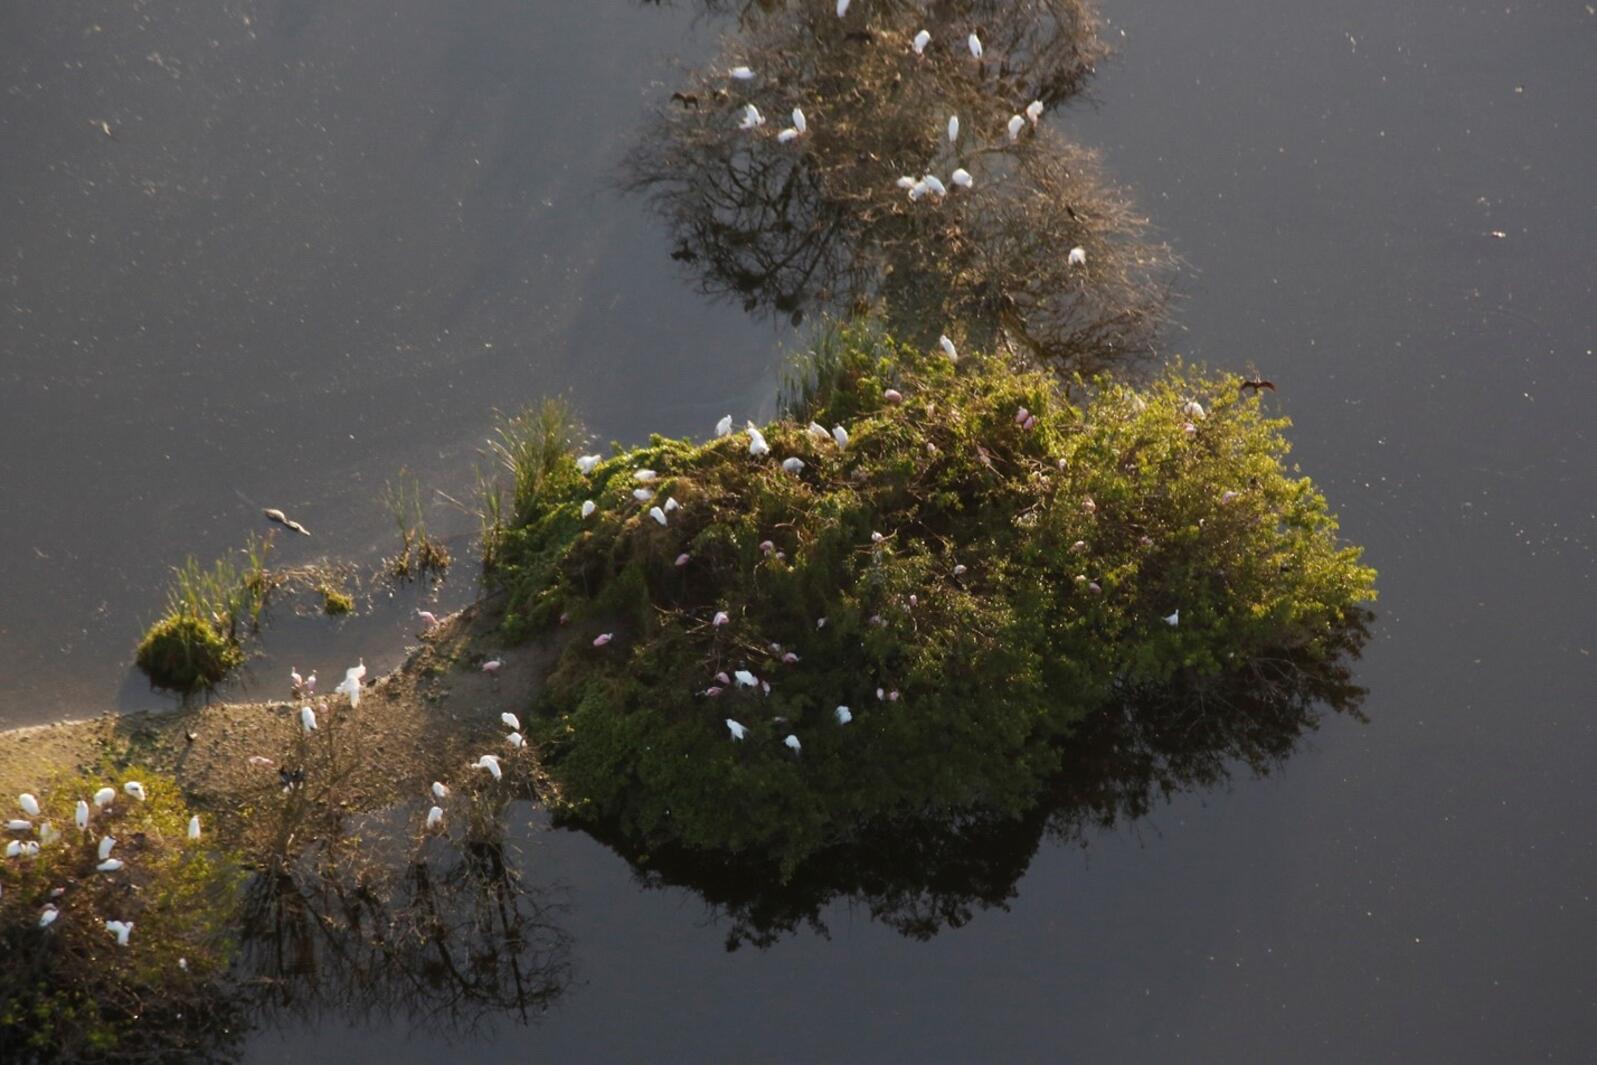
[973,42]
[135,789]
[586,463]
[757,444]
[29,804]
[490,763]
[922,39]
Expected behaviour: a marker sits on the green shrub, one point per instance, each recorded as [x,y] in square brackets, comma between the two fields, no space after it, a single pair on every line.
[1077,537]
[186,653]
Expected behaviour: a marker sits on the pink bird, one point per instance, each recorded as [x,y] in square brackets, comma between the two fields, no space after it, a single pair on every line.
[683,559]
[603,638]
[790,658]
[720,618]
[893,396]
[712,691]
[1021,414]
[493,665]
[723,678]
[429,617]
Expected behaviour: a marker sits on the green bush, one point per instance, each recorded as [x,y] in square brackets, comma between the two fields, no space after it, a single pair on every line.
[187,653]
[1077,536]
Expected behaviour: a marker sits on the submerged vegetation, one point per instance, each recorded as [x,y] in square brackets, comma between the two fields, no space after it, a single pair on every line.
[910,603]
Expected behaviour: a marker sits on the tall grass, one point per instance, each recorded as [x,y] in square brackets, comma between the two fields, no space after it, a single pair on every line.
[419,554]
[529,445]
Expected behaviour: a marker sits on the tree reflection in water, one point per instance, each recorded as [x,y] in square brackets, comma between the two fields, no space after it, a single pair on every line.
[819,224]
[923,875]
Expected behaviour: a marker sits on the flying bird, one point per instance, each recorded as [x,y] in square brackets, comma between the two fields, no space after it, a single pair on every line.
[273,514]
[1258,383]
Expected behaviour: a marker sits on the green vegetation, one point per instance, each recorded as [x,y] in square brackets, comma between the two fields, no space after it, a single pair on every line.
[335,601]
[199,640]
[68,992]
[972,585]
[419,554]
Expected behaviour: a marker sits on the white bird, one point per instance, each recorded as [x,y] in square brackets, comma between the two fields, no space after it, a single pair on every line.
[644,476]
[737,730]
[1034,111]
[135,789]
[800,123]
[719,619]
[922,39]
[953,128]
[194,827]
[490,763]
[29,804]
[110,865]
[683,559]
[588,507]
[106,843]
[975,46]
[440,790]
[1078,256]
[818,433]
[917,190]
[14,848]
[586,463]
[743,73]
[103,797]
[357,671]
[840,434]
[962,178]
[793,465]
[724,426]
[310,683]
[787,136]
[348,686]
[948,347]
[657,514]
[642,495]
[842,8]
[435,817]
[516,739]
[935,183]
[493,665]
[294,679]
[959,570]
[120,929]
[757,444]
[1174,619]
[1194,410]
[906,183]
[19,825]
[1016,124]
[792,743]
[751,117]
[80,815]
[511,720]
[844,715]
[745,678]
[671,504]
[48,915]
[307,719]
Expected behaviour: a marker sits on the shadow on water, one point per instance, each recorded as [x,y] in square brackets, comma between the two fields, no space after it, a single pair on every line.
[922,876]
[794,223]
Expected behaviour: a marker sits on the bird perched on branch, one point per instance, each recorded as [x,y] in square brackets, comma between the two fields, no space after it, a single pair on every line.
[273,514]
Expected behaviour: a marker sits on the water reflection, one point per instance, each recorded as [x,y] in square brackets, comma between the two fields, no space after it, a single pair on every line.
[921,876]
[819,223]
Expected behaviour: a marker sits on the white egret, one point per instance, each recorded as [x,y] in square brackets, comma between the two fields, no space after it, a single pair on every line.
[843,714]
[960,570]
[103,797]
[922,39]
[642,495]
[493,665]
[818,433]
[751,117]
[588,507]
[435,817]
[935,183]
[1034,111]
[48,915]
[307,719]
[80,815]
[1016,124]
[743,73]
[840,434]
[29,804]
[719,619]
[490,763]
[974,43]
[440,790]
[820,623]
[842,8]
[350,685]
[603,638]
[14,848]
[787,136]
[962,178]
[757,444]
[110,865]
[906,183]
[745,679]
[120,929]
[194,827]
[737,730]
[948,347]
[19,825]
[792,743]
[135,789]
[511,720]
[917,190]
[586,463]
[1194,410]
[793,465]
[953,128]
[104,850]
[644,476]
[800,123]
[658,515]
[724,426]
[1173,619]
[671,504]
[1078,256]
[516,740]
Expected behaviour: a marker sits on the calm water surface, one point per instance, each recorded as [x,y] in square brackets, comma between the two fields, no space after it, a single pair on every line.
[325,241]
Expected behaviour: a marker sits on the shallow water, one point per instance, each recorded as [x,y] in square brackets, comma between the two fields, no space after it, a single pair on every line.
[314,229]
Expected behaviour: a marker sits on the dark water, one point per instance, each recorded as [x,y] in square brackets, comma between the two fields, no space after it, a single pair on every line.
[313,224]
